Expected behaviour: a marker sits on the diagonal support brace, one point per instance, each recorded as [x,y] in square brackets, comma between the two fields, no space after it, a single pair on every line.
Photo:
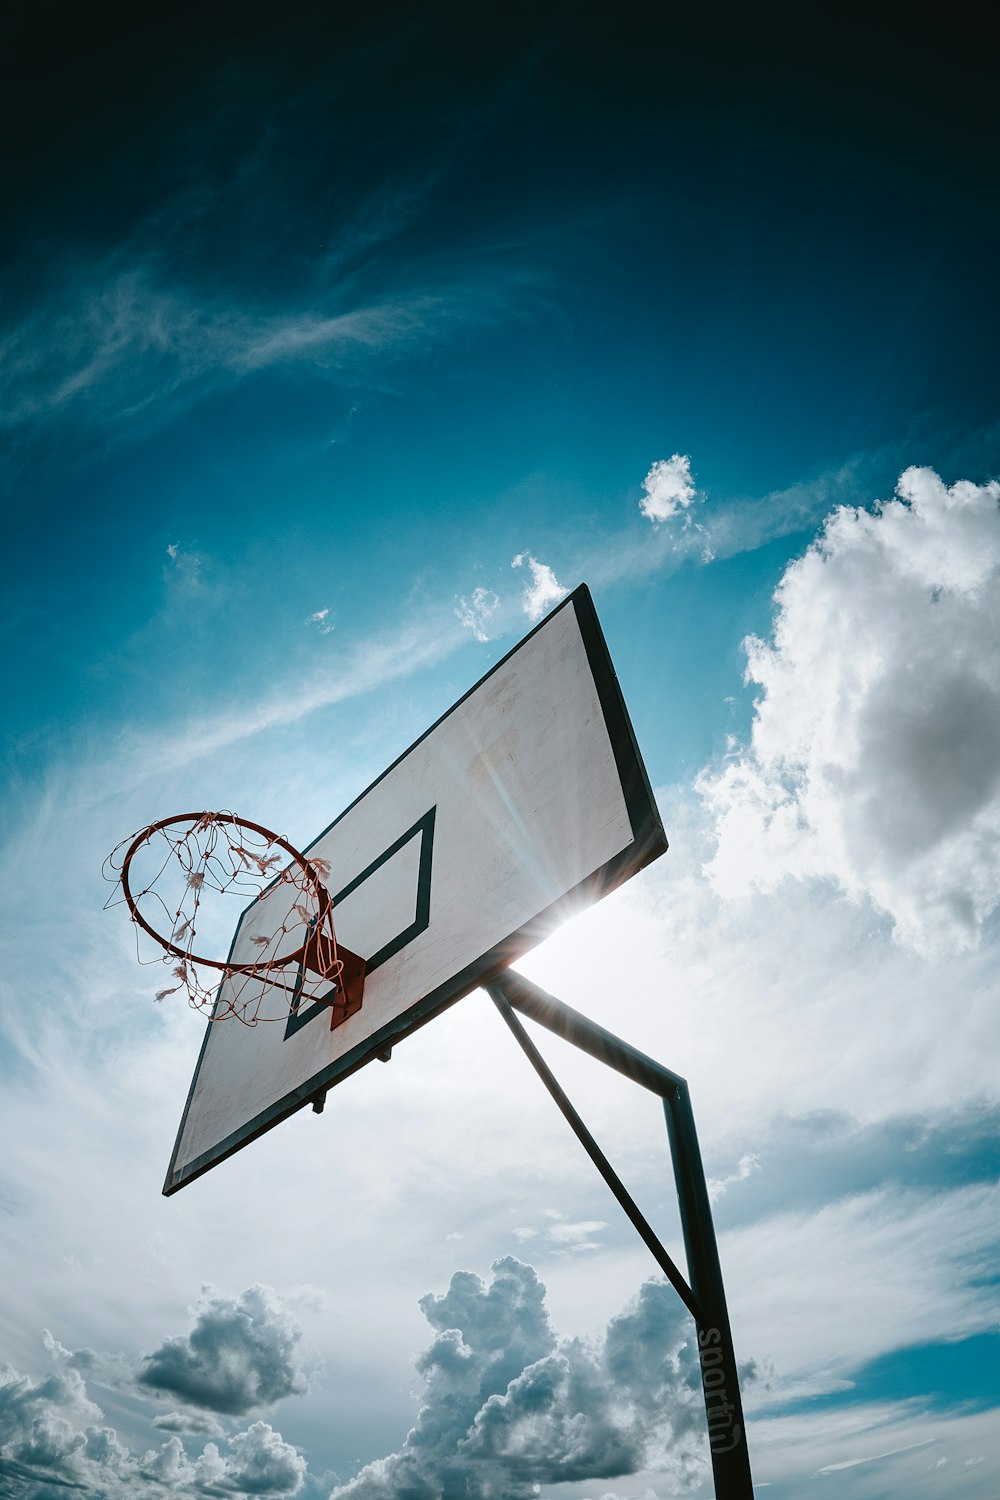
[705,1298]
[645,1230]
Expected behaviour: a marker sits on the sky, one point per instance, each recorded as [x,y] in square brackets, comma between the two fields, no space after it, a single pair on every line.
[338,345]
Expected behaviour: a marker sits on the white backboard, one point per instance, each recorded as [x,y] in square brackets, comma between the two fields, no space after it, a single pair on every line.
[526,801]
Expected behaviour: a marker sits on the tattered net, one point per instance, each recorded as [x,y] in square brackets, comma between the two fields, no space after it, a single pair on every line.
[167,873]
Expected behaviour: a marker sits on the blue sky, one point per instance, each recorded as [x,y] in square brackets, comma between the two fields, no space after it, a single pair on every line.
[314,321]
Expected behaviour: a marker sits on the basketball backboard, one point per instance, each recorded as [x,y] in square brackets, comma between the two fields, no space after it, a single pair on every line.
[526,801]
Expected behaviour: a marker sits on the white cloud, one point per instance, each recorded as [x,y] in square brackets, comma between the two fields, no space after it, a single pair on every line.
[477,612]
[668,488]
[577,1236]
[320,619]
[852,1463]
[507,1408]
[566,1236]
[874,759]
[543,591]
[875,1449]
[718,1186]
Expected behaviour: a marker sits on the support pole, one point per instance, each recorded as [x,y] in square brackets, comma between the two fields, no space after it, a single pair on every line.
[705,1298]
[645,1230]
[719,1374]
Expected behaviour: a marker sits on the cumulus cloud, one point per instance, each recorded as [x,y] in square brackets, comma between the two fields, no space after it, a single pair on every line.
[260,1463]
[874,757]
[40,1425]
[508,1408]
[668,488]
[543,591]
[52,1438]
[476,612]
[241,1352]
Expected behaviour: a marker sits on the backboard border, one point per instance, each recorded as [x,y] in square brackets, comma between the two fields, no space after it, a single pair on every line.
[648,843]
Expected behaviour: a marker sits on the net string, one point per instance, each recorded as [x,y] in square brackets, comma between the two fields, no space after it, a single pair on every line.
[220,853]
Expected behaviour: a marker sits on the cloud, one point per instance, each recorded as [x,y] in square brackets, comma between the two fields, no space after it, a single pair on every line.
[543,591]
[126,341]
[669,488]
[40,1423]
[894,1438]
[320,620]
[185,567]
[874,758]
[51,1440]
[812,1291]
[718,1186]
[179,1421]
[566,1236]
[852,1463]
[262,1463]
[241,1352]
[373,662]
[477,612]
[507,1408]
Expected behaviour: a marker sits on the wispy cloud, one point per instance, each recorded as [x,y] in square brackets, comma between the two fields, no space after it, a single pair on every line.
[192,1422]
[717,1186]
[852,1463]
[885,1444]
[368,664]
[127,341]
[320,618]
[183,570]
[566,1236]
[477,611]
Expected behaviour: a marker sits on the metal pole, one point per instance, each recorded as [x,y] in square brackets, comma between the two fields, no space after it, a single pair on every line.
[719,1373]
[707,1302]
[573,1026]
[646,1232]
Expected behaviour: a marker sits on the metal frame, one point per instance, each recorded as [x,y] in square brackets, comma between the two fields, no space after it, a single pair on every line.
[703,1294]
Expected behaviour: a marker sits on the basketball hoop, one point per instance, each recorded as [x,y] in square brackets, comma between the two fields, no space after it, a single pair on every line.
[185,857]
